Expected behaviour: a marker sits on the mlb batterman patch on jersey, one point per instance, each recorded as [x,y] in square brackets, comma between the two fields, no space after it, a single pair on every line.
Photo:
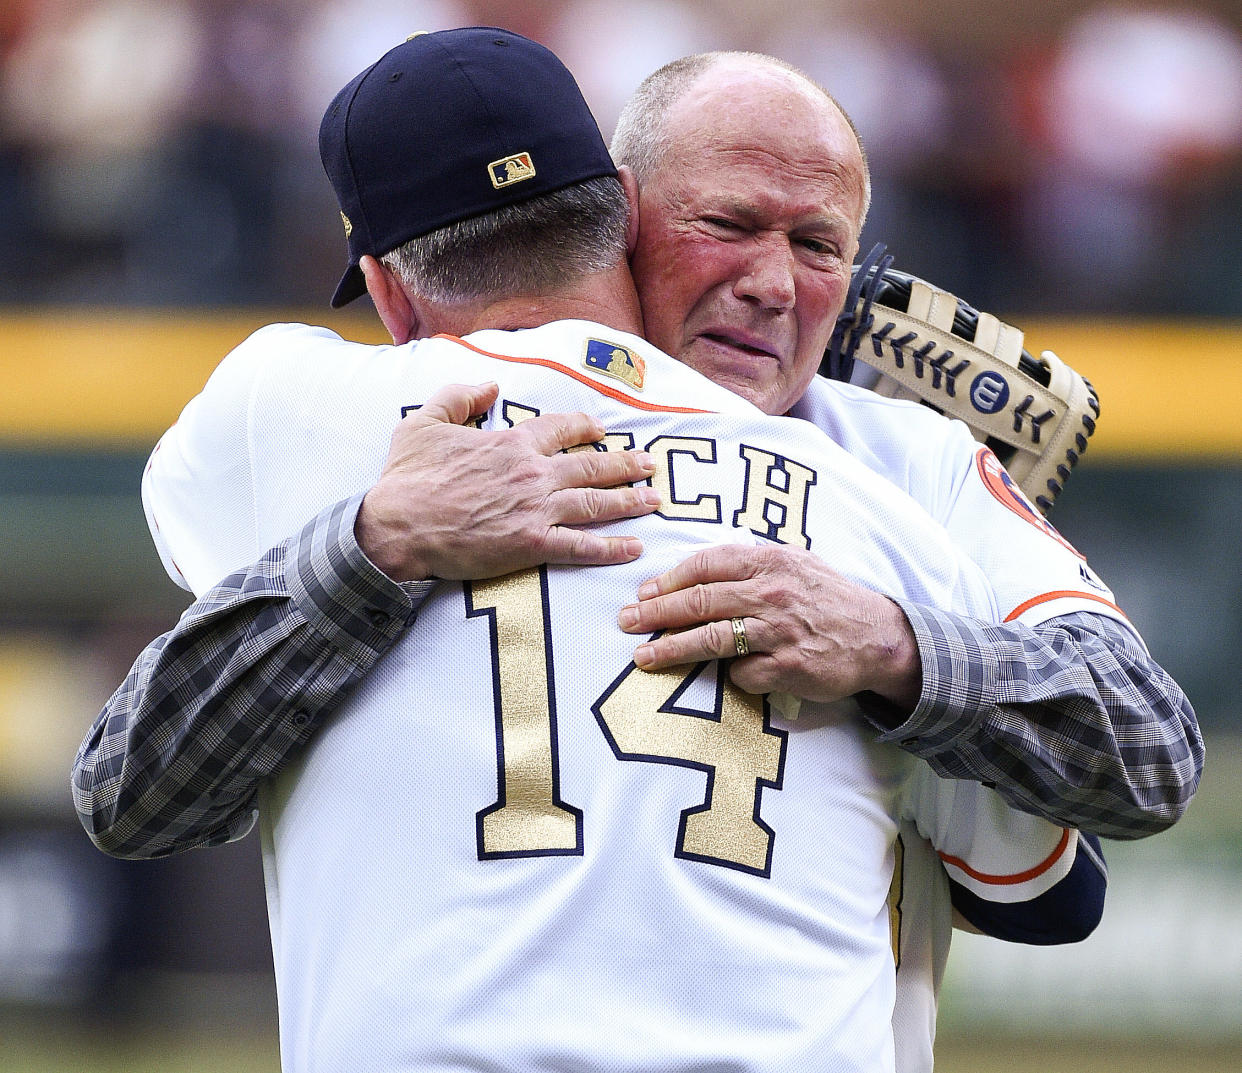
[617,361]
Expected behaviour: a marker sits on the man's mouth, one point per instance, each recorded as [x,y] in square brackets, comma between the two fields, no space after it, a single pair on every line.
[746,344]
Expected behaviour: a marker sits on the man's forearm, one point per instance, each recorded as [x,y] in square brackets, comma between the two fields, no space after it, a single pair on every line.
[1071,720]
[239,685]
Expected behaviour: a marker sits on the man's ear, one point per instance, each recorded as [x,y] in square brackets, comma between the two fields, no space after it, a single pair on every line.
[630,185]
[391,301]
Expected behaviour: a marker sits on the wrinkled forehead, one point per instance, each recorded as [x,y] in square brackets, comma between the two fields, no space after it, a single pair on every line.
[739,117]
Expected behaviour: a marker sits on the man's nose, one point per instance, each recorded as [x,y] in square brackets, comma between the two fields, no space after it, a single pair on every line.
[767,277]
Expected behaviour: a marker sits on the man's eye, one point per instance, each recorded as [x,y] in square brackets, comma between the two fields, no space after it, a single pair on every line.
[721,223]
[817,246]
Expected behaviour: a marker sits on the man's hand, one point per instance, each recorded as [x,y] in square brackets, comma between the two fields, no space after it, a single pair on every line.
[810,631]
[459,502]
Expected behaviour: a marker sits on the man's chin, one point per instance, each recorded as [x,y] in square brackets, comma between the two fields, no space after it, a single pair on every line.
[741,372]
[737,381]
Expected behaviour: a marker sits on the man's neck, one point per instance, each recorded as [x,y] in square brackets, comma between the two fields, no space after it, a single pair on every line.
[606,298]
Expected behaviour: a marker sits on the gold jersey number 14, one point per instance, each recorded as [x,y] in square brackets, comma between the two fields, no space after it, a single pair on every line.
[641,717]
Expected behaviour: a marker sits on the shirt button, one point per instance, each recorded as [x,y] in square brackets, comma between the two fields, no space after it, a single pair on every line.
[379,619]
[300,718]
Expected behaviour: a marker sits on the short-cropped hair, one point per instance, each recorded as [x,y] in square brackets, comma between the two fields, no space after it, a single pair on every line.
[532,247]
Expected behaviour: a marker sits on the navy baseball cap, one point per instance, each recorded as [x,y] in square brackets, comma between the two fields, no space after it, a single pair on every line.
[450,125]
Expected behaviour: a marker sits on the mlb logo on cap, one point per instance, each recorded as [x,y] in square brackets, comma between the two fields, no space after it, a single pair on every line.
[512,169]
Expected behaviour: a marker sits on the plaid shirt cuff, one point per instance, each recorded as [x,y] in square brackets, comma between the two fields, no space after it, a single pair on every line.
[1072,721]
[345,598]
[959,683]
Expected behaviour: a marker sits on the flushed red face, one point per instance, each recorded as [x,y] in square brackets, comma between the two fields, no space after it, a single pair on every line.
[747,230]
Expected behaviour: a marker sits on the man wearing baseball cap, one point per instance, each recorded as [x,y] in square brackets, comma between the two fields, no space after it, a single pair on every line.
[448,127]
[475,188]
[507,847]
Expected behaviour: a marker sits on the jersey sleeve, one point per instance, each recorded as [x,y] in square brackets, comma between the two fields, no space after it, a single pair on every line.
[988,848]
[198,485]
[910,445]
[1067,912]
[1036,572]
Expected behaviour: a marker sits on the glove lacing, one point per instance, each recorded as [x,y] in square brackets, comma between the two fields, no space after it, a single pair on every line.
[854,323]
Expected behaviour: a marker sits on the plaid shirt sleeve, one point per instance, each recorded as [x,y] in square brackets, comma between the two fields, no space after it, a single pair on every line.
[243,680]
[1070,720]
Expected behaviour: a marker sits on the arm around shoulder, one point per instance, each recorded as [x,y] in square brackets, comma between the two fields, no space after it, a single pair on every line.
[1071,720]
[220,702]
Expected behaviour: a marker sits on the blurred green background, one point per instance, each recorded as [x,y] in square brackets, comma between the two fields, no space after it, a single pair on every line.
[1074,166]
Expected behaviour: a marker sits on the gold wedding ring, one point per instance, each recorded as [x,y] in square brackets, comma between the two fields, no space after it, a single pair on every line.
[739,637]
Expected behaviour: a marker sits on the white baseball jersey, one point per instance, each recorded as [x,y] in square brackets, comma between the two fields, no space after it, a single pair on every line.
[962,485]
[509,848]
[1013,859]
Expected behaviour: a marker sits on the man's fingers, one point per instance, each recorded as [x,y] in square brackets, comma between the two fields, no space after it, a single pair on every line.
[712,640]
[603,469]
[573,547]
[583,506]
[549,434]
[455,404]
[699,604]
[555,432]
[725,562]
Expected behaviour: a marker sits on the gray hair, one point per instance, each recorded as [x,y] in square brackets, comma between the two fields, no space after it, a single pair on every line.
[640,140]
[532,247]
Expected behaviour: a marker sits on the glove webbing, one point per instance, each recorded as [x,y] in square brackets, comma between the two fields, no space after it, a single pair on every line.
[1035,414]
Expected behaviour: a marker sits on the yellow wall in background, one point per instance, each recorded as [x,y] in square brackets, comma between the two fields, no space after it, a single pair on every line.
[1166,390]
[98,379]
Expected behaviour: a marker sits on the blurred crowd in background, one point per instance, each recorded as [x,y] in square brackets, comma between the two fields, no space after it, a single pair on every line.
[1057,156]
[1047,157]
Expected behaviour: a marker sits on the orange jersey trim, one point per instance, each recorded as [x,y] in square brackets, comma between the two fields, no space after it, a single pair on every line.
[619,396]
[1006,492]
[1016,877]
[1059,594]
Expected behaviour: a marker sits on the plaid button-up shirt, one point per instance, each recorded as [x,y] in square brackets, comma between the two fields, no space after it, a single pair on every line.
[1070,720]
